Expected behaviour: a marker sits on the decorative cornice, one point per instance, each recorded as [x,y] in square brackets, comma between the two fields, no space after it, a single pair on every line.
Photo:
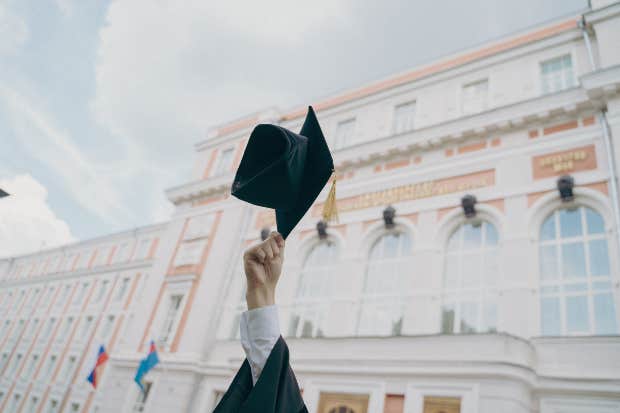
[78,273]
[200,189]
[602,83]
[501,119]
[602,14]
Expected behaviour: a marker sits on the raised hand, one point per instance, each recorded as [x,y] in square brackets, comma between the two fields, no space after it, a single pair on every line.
[263,266]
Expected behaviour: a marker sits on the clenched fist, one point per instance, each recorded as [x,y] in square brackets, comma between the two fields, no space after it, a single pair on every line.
[263,265]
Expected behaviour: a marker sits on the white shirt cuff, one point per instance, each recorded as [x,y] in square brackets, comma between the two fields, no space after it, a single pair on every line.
[260,329]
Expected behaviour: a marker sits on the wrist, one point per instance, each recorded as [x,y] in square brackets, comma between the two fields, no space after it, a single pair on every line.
[259,297]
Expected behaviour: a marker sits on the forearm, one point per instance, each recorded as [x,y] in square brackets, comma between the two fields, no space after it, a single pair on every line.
[257,297]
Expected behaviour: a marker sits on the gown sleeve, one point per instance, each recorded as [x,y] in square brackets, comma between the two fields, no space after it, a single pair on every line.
[265,381]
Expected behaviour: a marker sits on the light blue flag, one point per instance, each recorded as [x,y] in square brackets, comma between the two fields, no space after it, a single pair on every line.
[146,364]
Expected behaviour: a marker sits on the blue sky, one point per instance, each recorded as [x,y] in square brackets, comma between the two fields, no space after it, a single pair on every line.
[101,101]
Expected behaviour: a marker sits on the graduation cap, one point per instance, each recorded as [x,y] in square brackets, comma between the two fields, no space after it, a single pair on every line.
[286,171]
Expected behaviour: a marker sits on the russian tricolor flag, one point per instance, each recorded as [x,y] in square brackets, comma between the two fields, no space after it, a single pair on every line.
[94,375]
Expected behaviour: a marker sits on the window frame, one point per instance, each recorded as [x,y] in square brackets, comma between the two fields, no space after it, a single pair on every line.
[314,307]
[483,293]
[394,301]
[574,81]
[411,123]
[584,239]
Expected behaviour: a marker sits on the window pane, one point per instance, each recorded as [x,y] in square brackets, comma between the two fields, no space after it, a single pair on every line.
[570,222]
[469,317]
[391,245]
[577,314]
[490,317]
[550,316]
[573,260]
[451,272]
[595,222]
[548,262]
[472,236]
[599,258]
[447,319]
[491,234]
[547,231]
[472,270]
[453,243]
[491,272]
[605,314]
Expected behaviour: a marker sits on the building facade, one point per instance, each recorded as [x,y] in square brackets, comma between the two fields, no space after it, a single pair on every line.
[509,303]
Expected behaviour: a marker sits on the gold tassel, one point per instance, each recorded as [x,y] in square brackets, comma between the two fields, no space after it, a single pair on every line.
[330,208]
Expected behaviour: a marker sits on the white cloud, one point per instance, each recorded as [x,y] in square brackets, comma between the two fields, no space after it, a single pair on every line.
[13,30]
[165,73]
[27,223]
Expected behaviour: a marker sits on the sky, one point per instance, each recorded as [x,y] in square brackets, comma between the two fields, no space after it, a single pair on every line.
[101,102]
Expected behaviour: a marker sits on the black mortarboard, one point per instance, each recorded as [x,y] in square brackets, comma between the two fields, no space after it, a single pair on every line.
[284,170]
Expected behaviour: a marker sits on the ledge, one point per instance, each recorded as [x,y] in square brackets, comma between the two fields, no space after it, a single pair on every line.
[602,83]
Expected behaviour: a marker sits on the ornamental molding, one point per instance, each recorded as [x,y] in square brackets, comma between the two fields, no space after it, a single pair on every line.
[82,273]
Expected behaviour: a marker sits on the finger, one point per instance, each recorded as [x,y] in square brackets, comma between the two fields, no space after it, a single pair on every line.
[259,255]
[278,237]
[267,248]
[274,247]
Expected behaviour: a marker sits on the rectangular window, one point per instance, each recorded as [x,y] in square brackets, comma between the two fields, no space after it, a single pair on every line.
[102,290]
[68,370]
[122,252]
[81,294]
[18,360]
[32,328]
[66,330]
[33,297]
[102,256]
[86,325]
[3,360]
[51,363]
[142,398]
[52,266]
[556,74]
[107,327]
[75,408]
[169,322]
[14,403]
[53,406]
[49,328]
[5,327]
[48,296]
[474,97]
[404,117]
[34,402]
[225,162]
[67,265]
[31,366]
[143,249]
[199,227]
[189,252]
[122,289]
[64,297]
[345,132]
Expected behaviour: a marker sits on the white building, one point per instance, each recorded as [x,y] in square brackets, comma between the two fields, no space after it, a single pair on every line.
[514,309]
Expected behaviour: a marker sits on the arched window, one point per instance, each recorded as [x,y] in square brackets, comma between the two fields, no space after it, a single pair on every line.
[576,296]
[313,293]
[383,300]
[471,274]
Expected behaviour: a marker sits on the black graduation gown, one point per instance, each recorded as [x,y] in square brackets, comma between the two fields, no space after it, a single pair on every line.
[276,390]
